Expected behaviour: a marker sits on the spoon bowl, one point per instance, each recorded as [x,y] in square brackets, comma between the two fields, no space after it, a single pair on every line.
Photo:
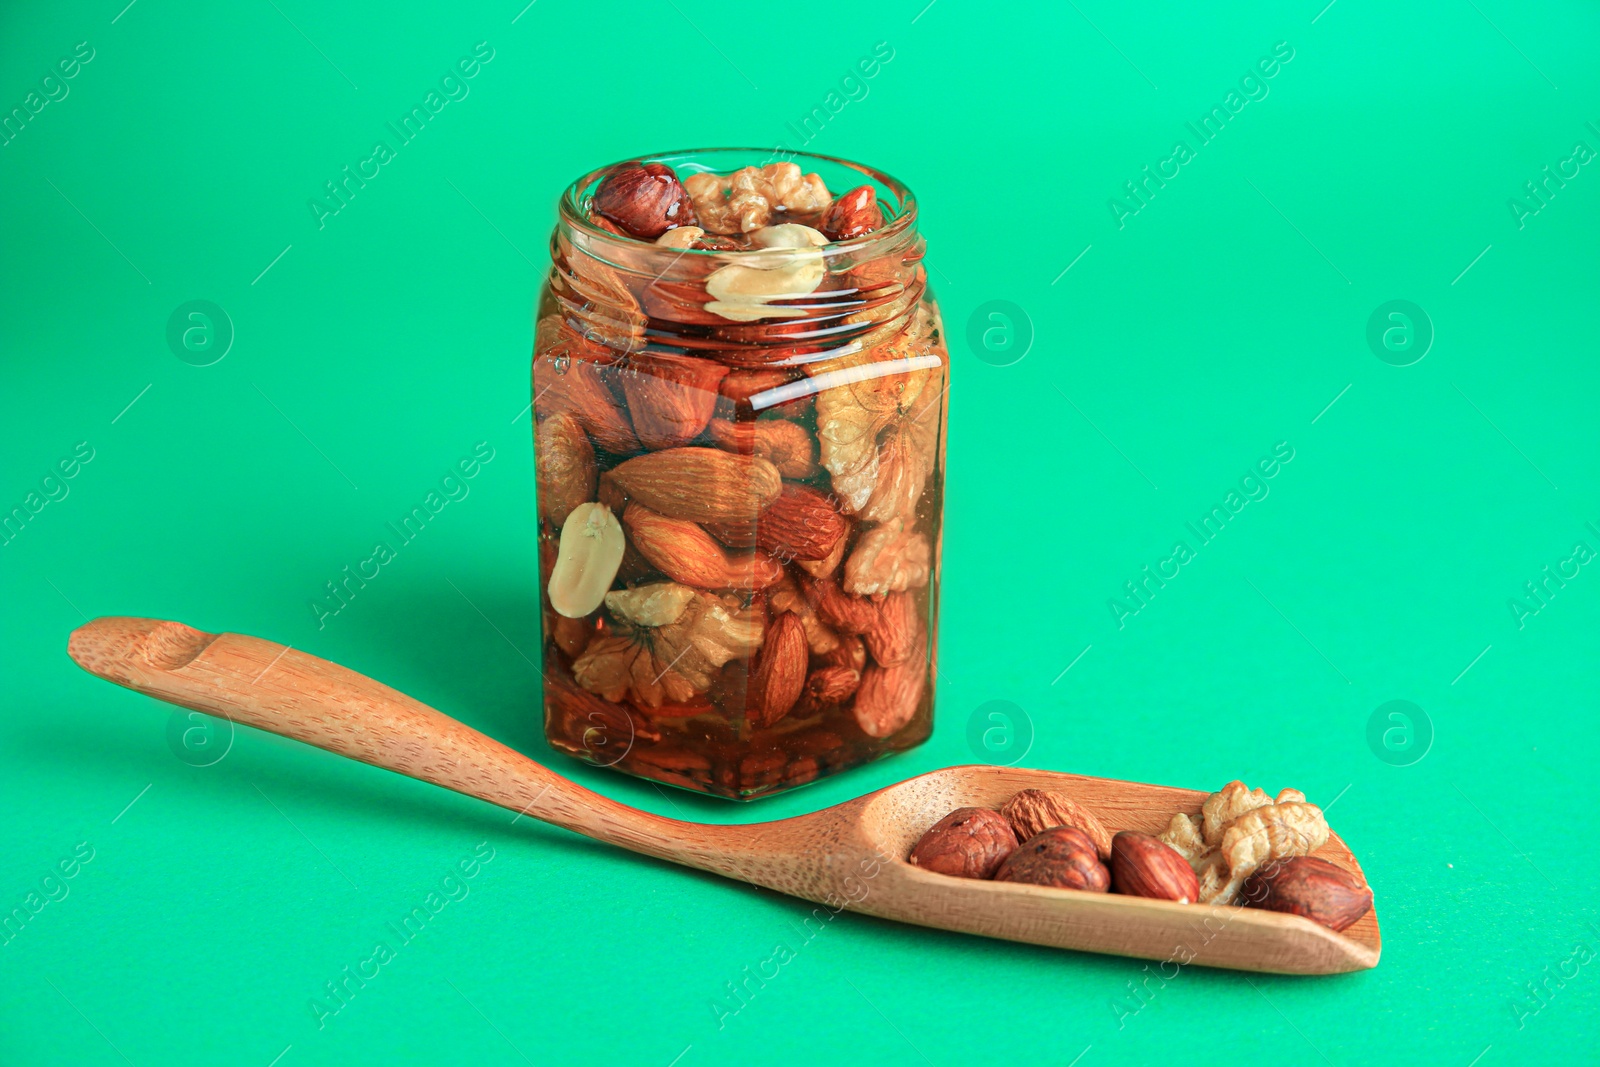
[849,857]
[891,820]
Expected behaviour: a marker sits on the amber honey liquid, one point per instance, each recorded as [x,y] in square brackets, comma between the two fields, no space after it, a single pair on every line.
[869,333]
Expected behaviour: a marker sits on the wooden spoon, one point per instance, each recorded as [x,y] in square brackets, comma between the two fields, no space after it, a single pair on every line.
[847,856]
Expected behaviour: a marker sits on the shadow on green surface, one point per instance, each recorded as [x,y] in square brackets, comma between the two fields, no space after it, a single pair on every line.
[328,788]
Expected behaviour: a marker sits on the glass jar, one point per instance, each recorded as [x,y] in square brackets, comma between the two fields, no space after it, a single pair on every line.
[741,473]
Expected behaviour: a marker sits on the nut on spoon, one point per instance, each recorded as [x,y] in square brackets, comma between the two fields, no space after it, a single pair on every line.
[851,854]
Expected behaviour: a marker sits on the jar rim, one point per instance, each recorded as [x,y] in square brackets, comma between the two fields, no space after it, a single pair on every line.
[573,214]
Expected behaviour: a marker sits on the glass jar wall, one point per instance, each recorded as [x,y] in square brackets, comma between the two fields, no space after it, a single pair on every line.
[739,393]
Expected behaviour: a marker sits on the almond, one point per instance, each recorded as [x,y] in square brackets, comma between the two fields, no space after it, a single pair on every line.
[1035,810]
[606,731]
[890,696]
[851,652]
[786,596]
[820,743]
[785,343]
[801,771]
[779,673]
[569,699]
[1145,866]
[565,466]
[845,613]
[828,566]
[801,524]
[678,301]
[827,686]
[700,484]
[596,299]
[786,444]
[898,631]
[853,214]
[678,762]
[567,377]
[733,534]
[699,705]
[671,397]
[686,553]
[609,493]
[635,569]
[592,544]
[757,390]
[885,277]
[570,635]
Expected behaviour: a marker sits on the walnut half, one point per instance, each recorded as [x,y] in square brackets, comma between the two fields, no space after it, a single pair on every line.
[747,199]
[1239,830]
[665,642]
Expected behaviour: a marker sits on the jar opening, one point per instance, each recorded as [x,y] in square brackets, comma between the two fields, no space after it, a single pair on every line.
[840,175]
[751,306]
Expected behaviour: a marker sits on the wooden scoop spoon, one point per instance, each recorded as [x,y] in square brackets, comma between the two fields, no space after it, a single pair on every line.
[849,855]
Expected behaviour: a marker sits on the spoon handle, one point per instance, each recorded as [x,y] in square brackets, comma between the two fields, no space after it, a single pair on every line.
[276,688]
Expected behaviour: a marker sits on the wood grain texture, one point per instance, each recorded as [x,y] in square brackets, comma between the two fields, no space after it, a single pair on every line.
[851,854]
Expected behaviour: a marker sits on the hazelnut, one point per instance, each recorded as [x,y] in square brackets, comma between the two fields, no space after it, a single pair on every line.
[1034,810]
[1311,887]
[1062,857]
[644,199]
[1144,866]
[967,843]
[854,214]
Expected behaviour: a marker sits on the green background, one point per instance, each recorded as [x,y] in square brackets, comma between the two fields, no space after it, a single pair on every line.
[1223,318]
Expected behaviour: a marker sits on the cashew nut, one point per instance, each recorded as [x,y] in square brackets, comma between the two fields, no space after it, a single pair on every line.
[787,266]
